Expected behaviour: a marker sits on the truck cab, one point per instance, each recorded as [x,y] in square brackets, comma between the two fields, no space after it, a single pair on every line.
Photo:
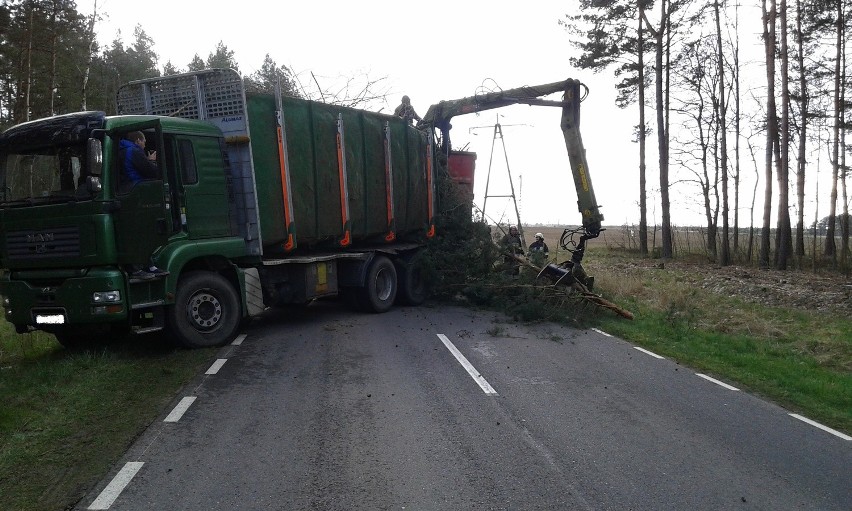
[72,224]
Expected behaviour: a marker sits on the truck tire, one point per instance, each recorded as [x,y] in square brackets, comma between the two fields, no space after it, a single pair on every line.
[206,312]
[412,283]
[379,291]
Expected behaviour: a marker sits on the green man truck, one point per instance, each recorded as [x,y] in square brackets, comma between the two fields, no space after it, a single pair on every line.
[262,200]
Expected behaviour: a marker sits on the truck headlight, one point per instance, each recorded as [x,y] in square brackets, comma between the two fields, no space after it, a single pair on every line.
[6,301]
[106,297]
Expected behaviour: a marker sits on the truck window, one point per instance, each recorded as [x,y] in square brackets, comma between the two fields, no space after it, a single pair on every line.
[189,172]
[50,173]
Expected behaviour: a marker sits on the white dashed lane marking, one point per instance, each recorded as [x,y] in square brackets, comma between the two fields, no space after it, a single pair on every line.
[216,366]
[647,352]
[820,426]
[117,485]
[717,382]
[180,409]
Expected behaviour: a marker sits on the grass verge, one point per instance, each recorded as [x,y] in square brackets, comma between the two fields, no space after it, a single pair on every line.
[68,417]
[801,360]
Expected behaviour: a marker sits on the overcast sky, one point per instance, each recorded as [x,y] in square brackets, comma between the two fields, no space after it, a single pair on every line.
[431,51]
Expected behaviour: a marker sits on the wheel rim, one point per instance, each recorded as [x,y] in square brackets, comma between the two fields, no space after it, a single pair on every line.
[204,310]
[384,285]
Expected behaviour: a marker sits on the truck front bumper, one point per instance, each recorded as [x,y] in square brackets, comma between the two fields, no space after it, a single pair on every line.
[48,299]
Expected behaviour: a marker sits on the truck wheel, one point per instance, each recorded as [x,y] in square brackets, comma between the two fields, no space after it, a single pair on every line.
[206,312]
[412,283]
[379,290]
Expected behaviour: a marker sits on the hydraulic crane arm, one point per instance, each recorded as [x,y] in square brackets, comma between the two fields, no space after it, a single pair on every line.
[439,115]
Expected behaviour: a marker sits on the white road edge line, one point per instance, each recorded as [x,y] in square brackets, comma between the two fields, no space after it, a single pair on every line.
[239,340]
[477,377]
[216,366]
[116,486]
[180,409]
[601,332]
[643,350]
[717,382]
[820,426]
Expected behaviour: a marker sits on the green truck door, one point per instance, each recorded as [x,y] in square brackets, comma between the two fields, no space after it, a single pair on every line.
[141,222]
[142,214]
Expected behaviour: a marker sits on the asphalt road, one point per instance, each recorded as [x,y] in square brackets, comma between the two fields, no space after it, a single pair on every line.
[326,409]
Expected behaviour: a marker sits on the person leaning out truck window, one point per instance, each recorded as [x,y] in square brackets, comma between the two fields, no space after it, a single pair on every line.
[136,165]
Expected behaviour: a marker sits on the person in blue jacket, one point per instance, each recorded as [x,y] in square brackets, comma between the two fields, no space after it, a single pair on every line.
[135,163]
[138,166]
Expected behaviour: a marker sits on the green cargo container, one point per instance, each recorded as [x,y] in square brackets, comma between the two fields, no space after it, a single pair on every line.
[324,211]
[333,178]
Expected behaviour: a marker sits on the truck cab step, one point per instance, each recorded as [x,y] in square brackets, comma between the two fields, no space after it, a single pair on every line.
[147,305]
[146,330]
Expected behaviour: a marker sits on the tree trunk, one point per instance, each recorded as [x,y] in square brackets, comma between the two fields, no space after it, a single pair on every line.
[783,237]
[90,34]
[830,250]
[54,44]
[736,76]
[712,184]
[643,206]
[844,220]
[28,77]
[725,258]
[802,158]
[662,141]
[771,127]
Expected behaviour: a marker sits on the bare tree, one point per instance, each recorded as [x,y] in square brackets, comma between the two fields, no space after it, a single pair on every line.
[844,221]
[696,73]
[721,114]
[751,150]
[87,65]
[799,249]
[27,77]
[830,250]
[642,132]
[358,90]
[735,72]
[782,233]
[768,18]
[662,34]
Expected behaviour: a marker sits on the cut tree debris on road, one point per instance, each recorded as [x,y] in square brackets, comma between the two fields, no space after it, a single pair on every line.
[565,282]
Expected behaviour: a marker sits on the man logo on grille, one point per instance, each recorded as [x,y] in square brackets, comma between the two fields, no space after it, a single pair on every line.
[40,237]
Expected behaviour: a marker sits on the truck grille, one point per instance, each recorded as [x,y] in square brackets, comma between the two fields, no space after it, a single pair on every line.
[43,243]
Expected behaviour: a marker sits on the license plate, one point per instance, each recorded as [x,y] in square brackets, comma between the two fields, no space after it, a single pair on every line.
[50,319]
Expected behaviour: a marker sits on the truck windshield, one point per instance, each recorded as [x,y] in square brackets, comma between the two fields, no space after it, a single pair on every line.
[51,174]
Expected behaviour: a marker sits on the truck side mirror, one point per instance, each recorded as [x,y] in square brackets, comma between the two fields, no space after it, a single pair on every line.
[95,157]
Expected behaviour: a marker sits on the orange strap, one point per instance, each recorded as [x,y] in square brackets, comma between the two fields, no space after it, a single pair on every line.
[290,244]
[344,201]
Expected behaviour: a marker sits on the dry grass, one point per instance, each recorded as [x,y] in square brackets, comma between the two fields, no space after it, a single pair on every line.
[807,311]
